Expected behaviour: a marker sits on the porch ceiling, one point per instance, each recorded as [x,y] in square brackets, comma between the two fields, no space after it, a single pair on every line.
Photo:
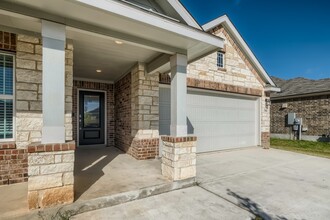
[95,25]
[93,53]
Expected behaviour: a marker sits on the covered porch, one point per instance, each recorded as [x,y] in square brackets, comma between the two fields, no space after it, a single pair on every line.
[99,172]
[107,71]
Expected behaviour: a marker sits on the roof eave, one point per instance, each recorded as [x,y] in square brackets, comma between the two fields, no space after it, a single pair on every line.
[300,95]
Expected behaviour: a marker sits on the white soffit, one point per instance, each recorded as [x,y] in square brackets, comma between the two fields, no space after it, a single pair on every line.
[229,25]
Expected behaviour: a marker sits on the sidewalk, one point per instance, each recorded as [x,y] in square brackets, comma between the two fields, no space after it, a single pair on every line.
[191,203]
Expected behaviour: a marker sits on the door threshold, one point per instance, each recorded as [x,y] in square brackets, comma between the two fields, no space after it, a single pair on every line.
[92,146]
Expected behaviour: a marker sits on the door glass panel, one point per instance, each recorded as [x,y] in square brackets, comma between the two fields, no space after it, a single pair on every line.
[91,111]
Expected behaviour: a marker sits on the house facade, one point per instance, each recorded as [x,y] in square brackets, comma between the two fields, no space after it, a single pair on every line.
[309,100]
[141,76]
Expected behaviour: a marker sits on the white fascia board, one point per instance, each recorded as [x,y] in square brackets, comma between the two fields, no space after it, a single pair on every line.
[154,20]
[177,5]
[225,20]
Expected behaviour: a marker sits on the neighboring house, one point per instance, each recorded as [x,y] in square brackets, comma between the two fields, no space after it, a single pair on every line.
[310,100]
[62,60]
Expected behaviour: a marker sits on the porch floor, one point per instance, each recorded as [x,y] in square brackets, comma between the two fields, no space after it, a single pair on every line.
[13,202]
[99,171]
[103,171]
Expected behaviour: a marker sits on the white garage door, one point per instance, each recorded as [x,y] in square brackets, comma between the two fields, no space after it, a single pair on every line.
[219,121]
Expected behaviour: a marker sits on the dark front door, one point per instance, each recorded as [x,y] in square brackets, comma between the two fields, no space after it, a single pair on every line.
[91,118]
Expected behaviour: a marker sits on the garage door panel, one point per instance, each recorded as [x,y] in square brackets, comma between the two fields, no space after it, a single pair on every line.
[219,121]
[204,114]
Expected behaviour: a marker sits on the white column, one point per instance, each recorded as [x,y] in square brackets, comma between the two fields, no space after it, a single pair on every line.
[178,95]
[53,82]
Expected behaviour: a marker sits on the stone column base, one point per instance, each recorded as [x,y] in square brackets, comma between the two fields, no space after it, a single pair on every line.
[265,140]
[51,175]
[179,157]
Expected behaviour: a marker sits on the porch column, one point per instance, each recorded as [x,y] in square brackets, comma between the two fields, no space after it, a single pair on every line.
[53,82]
[179,150]
[178,95]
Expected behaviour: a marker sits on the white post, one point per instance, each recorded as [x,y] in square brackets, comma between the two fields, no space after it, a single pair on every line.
[53,82]
[178,95]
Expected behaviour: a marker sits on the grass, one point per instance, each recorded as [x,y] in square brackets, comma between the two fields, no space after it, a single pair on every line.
[321,149]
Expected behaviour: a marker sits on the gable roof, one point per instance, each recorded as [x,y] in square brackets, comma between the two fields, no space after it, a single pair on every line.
[172,9]
[301,87]
[184,13]
[225,21]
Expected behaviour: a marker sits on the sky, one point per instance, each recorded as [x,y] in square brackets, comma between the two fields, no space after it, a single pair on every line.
[290,38]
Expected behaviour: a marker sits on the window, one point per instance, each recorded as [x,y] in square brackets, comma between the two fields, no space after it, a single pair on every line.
[221,59]
[6,96]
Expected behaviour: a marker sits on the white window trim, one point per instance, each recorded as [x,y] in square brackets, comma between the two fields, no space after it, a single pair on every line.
[11,97]
[223,59]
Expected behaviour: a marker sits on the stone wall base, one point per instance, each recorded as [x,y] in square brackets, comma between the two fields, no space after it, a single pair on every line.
[143,149]
[13,164]
[179,157]
[50,197]
[51,175]
[265,140]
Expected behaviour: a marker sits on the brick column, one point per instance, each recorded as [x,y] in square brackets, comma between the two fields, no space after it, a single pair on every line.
[51,175]
[179,157]
[144,114]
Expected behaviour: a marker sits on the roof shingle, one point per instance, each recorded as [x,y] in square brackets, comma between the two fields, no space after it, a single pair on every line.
[300,86]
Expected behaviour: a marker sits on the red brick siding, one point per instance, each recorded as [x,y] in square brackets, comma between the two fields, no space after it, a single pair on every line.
[38,148]
[209,85]
[123,137]
[110,107]
[143,149]
[13,164]
[314,110]
[8,41]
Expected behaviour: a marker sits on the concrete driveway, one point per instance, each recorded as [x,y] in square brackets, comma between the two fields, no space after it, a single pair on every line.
[271,183]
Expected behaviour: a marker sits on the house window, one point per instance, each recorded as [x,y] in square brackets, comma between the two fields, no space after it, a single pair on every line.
[221,59]
[6,96]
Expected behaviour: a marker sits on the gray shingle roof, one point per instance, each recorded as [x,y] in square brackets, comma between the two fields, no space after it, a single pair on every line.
[300,86]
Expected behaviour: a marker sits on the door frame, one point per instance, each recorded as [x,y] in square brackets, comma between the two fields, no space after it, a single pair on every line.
[105,115]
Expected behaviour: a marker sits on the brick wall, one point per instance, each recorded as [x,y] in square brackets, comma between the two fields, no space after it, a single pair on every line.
[110,107]
[216,86]
[123,138]
[7,41]
[314,110]
[13,164]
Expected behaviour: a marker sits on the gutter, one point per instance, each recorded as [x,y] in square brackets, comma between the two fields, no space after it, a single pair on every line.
[272,89]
